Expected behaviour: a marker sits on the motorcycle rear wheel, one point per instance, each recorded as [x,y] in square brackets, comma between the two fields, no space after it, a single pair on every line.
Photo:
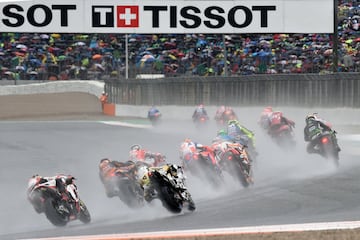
[53,213]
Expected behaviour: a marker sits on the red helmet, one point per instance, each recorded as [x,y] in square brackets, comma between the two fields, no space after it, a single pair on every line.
[268,109]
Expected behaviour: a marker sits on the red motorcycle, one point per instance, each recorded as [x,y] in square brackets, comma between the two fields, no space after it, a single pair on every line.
[284,136]
[202,163]
[281,130]
[234,160]
[127,188]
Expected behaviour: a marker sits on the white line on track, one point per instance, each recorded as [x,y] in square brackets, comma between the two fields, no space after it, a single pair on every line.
[219,231]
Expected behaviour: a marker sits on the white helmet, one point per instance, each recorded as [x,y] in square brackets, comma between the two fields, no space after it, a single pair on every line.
[143,175]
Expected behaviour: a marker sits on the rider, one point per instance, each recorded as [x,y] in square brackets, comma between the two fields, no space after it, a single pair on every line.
[106,168]
[153,113]
[222,136]
[276,121]
[239,133]
[60,182]
[187,149]
[265,117]
[199,112]
[229,114]
[219,114]
[312,132]
[173,172]
[138,154]
[190,148]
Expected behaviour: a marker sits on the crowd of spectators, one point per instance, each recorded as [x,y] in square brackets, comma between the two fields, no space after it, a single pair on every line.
[94,56]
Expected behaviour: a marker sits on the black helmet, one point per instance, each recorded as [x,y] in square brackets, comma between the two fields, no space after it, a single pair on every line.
[69,179]
[310,118]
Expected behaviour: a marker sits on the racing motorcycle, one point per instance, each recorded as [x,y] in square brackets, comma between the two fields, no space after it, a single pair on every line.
[59,210]
[284,136]
[155,119]
[127,188]
[203,164]
[327,147]
[249,144]
[171,189]
[201,121]
[234,159]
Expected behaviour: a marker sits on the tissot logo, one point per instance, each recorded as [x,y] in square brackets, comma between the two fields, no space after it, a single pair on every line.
[127,16]
[103,16]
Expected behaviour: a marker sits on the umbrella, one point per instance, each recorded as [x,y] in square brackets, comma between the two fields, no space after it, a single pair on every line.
[99,66]
[21,46]
[55,35]
[96,57]
[61,57]
[147,58]
[79,44]
[44,36]
[328,52]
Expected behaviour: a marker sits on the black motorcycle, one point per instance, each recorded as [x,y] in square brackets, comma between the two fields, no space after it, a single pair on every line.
[327,147]
[171,191]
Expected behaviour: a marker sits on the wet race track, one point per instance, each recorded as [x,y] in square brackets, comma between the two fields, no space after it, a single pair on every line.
[290,186]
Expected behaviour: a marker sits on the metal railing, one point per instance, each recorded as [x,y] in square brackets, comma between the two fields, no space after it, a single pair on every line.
[330,90]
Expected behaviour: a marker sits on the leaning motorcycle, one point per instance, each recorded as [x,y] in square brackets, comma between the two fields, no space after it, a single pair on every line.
[203,164]
[249,144]
[59,211]
[327,146]
[234,160]
[128,189]
[171,190]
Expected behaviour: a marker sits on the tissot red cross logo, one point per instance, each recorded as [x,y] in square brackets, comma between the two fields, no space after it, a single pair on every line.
[128,16]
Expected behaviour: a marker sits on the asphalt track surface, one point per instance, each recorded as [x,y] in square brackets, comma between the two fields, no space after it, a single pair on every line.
[290,186]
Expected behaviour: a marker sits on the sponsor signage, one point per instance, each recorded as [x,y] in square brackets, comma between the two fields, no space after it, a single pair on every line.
[174,16]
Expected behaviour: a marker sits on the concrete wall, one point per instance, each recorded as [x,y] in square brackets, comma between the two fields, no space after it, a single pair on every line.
[91,87]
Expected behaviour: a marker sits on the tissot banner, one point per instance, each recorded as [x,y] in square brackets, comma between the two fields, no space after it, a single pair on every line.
[173,16]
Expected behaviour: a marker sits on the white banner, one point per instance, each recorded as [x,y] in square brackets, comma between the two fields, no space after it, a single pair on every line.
[173,16]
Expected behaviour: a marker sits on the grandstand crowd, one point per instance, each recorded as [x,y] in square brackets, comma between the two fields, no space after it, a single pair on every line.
[96,56]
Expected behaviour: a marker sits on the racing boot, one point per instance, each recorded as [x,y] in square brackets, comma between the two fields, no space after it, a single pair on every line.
[149,194]
[336,145]
[191,204]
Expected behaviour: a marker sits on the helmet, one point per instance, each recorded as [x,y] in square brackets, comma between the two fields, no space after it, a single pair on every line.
[236,122]
[310,117]
[173,169]
[143,175]
[268,109]
[69,179]
[135,147]
[104,163]
[221,132]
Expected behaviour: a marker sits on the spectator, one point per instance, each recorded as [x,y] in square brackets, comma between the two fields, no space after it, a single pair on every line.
[103,100]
